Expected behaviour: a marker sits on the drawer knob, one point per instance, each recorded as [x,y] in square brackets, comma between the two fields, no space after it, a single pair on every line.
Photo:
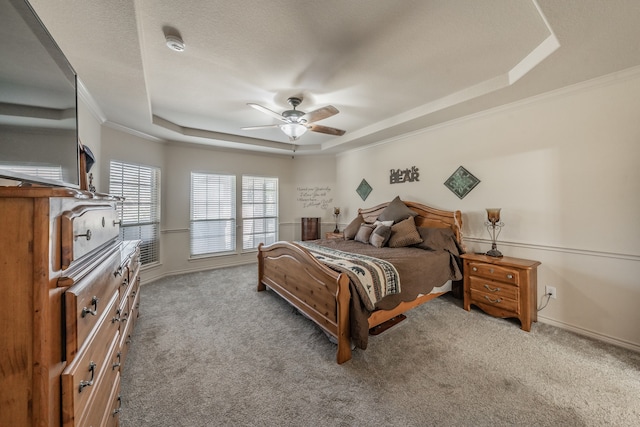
[475,268]
[94,304]
[92,369]
[118,272]
[87,235]
[491,289]
[491,270]
[495,301]
[509,276]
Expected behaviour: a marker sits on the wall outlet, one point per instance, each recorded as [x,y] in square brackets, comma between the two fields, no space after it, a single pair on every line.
[550,290]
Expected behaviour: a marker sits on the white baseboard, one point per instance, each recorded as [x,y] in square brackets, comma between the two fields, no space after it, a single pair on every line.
[591,334]
[151,279]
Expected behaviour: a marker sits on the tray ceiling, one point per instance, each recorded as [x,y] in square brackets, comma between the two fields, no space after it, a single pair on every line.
[389,67]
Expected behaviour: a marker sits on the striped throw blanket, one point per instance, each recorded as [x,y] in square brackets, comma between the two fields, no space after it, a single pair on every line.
[373,278]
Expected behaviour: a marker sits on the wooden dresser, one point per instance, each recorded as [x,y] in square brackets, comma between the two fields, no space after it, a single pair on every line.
[70,297]
[310,228]
[502,287]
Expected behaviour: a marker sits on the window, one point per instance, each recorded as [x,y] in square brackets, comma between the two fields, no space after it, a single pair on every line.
[213,213]
[140,211]
[259,211]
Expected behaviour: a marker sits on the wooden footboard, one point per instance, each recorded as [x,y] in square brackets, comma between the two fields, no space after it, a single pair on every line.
[317,291]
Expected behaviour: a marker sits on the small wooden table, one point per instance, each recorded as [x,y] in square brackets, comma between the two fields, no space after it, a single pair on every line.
[502,287]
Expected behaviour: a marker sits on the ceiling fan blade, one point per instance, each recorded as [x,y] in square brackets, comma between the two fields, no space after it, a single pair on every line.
[260,127]
[327,130]
[267,111]
[320,113]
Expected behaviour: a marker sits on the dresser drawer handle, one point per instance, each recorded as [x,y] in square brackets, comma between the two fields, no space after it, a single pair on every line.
[87,235]
[509,276]
[117,364]
[117,317]
[94,303]
[92,369]
[119,408]
[491,289]
[496,301]
[118,272]
[475,268]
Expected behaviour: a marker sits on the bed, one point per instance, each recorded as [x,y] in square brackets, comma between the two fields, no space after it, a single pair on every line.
[331,298]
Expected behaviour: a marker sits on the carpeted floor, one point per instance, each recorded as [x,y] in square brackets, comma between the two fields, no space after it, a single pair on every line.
[208,350]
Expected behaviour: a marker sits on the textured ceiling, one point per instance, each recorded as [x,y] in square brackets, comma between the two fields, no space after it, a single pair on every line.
[390,67]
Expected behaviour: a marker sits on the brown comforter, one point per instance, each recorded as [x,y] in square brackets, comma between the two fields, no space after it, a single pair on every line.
[420,271]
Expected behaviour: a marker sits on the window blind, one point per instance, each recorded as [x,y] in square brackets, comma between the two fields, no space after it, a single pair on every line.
[259,211]
[213,213]
[140,211]
[51,173]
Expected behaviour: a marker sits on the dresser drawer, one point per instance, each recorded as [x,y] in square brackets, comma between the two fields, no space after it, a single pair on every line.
[491,287]
[130,274]
[124,312]
[495,272]
[112,416]
[85,228]
[83,379]
[86,302]
[100,413]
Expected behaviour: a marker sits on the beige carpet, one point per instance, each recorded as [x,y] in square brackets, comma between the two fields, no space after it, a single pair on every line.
[209,350]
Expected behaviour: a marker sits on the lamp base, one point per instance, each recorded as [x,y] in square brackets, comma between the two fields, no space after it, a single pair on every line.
[336,230]
[494,253]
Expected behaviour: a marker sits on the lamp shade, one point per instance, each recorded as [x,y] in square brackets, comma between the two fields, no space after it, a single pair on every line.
[493,214]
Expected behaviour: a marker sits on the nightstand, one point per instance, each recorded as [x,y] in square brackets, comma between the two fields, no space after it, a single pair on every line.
[332,235]
[502,287]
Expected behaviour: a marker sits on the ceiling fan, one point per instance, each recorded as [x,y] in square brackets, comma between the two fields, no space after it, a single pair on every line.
[297,122]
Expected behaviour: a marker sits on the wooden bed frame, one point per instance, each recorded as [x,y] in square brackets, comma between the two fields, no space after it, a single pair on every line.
[323,294]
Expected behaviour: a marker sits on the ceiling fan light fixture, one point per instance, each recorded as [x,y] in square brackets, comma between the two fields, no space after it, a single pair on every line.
[293,130]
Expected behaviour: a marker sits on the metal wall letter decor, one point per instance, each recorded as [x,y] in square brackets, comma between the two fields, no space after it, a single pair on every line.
[397,176]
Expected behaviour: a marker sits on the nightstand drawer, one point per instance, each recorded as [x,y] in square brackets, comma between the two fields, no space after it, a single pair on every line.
[494,272]
[497,301]
[496,289]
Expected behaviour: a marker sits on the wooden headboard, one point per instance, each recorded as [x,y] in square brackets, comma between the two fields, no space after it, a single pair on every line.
[427,217]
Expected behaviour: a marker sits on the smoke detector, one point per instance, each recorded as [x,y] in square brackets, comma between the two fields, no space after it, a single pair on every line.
[175,43]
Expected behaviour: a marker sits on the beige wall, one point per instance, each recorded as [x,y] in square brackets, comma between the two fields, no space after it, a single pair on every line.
[563,168]
[314,191]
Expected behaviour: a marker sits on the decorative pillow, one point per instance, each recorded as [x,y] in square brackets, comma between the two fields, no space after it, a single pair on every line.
[404,234]
[380,235]
[364,232]
[396,211]
[352,229]
[434,239]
